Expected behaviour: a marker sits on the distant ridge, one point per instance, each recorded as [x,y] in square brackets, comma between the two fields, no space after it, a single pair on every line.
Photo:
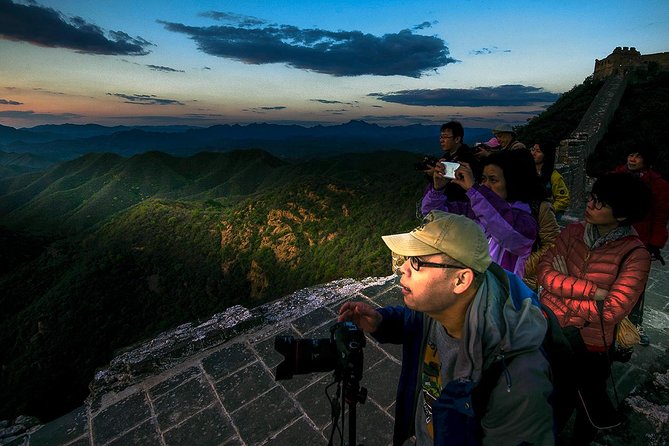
[68,141]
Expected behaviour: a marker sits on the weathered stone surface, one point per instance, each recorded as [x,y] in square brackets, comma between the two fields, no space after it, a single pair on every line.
[63,430]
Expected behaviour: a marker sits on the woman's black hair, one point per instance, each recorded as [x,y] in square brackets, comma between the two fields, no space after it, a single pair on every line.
[520,174]
[549,163]
[627,195]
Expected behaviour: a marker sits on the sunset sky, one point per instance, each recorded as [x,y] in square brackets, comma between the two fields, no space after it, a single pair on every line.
[308,62]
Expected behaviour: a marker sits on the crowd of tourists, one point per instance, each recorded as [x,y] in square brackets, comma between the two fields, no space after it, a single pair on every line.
[511,321]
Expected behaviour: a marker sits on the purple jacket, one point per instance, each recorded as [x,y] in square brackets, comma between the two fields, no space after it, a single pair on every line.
[510,227]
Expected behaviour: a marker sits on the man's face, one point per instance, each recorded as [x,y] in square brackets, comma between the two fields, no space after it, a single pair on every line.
[635,161]
[429,289]
[448,142]
[504,138]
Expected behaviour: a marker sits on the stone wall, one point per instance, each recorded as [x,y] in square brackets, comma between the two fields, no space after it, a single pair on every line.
[573,151]
[625,60]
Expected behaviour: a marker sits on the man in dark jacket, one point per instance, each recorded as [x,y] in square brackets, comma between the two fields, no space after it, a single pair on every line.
[472,372]
[451,140]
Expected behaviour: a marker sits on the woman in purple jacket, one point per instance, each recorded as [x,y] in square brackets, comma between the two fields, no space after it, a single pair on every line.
[499,204]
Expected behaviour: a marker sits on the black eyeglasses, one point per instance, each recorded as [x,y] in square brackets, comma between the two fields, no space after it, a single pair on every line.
[417,263]
[596,202]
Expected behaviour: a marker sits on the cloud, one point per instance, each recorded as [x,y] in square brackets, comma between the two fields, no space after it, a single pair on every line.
[340,53]
[238,19]
[145,99]
[164,69]
[403,119]
[265,109]
[9,102]
[501,96]
[47,27]
[330,102]
[425,25]
[491,50]
[31,115]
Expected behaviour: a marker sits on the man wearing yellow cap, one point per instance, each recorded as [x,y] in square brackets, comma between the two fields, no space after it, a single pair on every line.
[472,371]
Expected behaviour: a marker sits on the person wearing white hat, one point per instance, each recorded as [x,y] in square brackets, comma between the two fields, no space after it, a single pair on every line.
[506,136]
[471,333]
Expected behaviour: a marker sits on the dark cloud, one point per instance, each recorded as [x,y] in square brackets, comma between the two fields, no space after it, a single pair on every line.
[330,102]
[502,96]
[31,115]
[244,21]
[145,99]
[326,101]
[491,50]
[165,69]
[9,102]
[425,25]
[49,28]
[264,109]
[340,53]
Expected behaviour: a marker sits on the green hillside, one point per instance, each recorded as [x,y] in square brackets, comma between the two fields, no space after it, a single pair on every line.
[561,118]
[78,194]
[160,262]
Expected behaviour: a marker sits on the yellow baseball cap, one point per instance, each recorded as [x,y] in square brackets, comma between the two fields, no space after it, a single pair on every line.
[457,236]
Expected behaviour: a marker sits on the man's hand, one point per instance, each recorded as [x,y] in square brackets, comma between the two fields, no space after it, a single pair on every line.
[361,314]
[655,254]
[439,181]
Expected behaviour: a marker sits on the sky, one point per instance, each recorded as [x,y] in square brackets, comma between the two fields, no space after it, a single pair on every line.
[387,62]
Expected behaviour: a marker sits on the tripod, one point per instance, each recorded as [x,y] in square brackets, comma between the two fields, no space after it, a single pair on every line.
[349,393]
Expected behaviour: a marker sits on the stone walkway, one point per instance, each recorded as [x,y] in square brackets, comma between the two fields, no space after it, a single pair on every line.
[227,395]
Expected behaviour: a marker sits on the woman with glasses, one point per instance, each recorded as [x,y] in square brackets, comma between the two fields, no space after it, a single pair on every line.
[591,279]
[500,204]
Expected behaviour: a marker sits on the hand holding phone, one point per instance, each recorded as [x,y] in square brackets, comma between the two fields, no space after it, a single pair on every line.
[449,169]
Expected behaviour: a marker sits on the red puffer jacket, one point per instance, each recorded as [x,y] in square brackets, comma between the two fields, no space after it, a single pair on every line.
[570,296]
[653,228]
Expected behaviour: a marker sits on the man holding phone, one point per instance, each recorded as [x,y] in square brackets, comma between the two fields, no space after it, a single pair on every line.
[451,140]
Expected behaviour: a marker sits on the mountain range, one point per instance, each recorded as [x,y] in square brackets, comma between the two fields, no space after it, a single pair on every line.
[68,141]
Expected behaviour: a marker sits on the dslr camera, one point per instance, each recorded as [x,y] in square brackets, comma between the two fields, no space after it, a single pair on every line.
[427,163]
[341,352]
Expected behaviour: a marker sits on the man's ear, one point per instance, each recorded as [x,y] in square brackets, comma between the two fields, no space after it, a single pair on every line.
[463,280]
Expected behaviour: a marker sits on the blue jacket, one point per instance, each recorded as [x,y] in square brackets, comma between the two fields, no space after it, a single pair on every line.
[504,321]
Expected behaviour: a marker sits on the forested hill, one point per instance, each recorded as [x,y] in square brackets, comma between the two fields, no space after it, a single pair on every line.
[75,195]
[155,240]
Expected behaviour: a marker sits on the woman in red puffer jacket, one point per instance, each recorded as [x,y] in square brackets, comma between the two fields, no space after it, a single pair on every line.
[591,279]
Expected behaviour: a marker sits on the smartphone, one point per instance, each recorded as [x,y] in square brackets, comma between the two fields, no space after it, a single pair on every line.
[450,169]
